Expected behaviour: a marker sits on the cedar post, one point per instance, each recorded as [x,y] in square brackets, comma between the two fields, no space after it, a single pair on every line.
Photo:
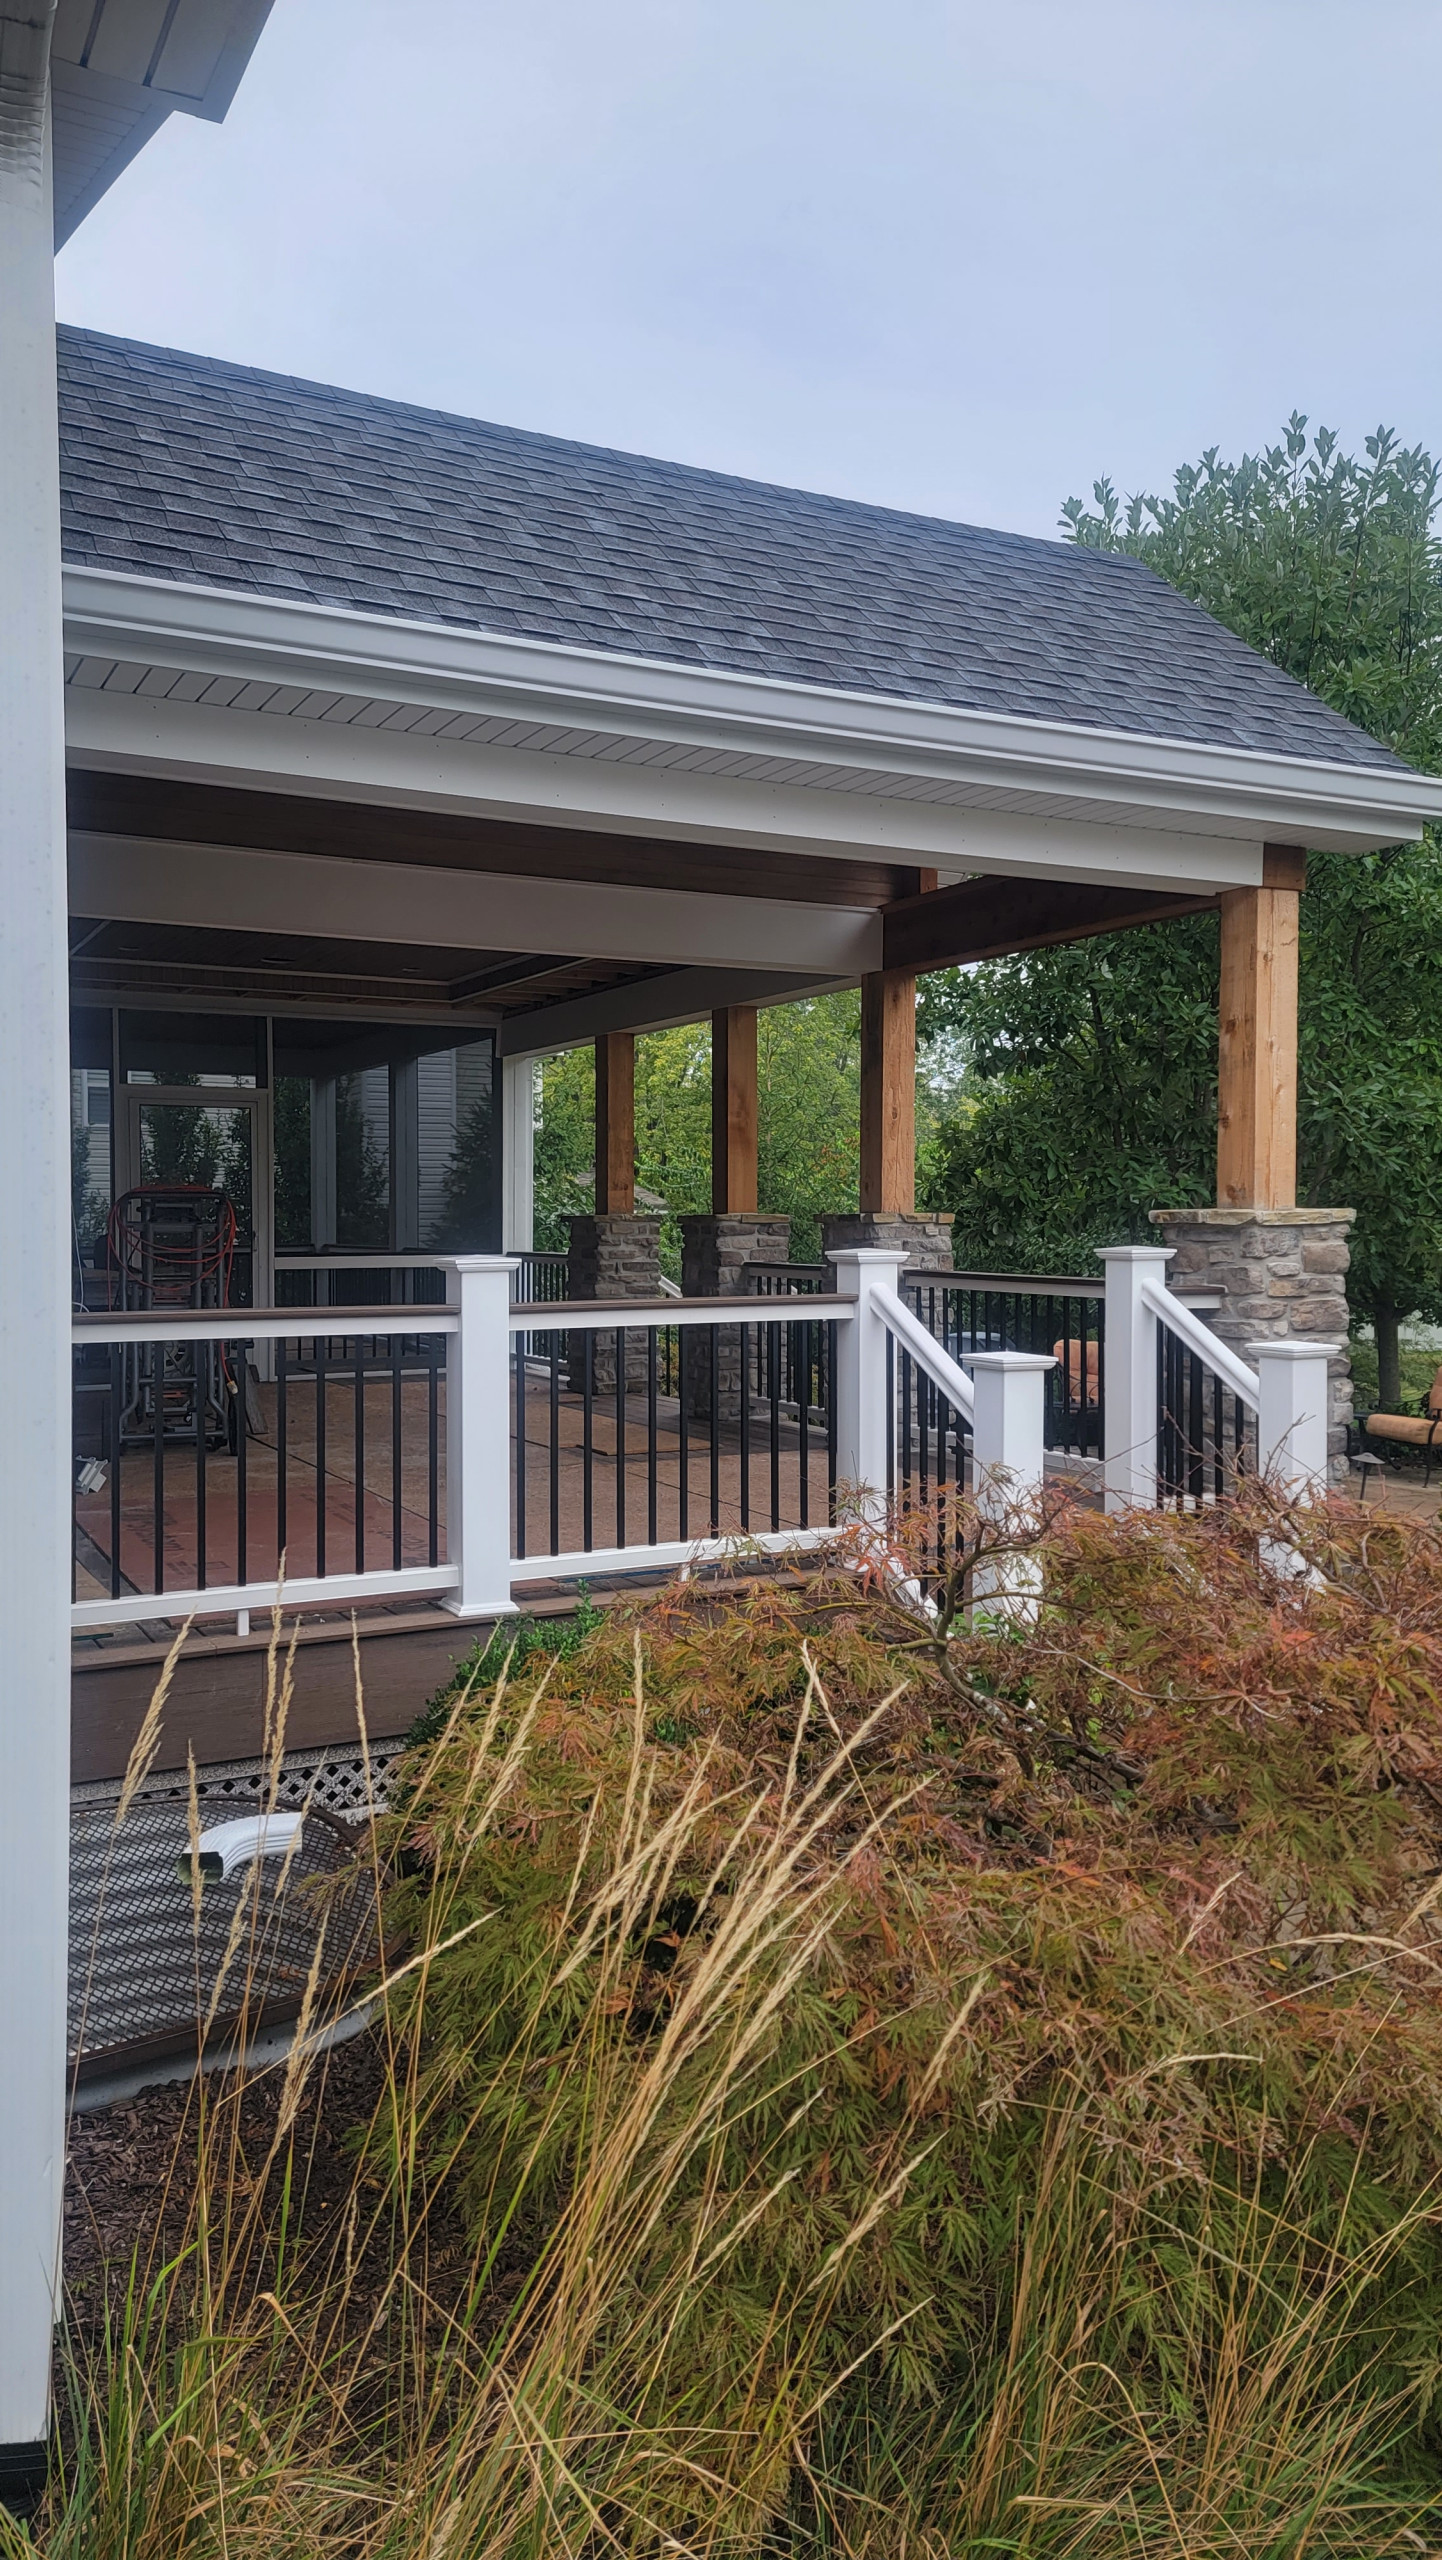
[888,1092]
[1257,1038]
[616,1124]
[734,1111]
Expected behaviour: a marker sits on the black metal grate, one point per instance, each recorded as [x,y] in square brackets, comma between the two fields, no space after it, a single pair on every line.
[140,1977]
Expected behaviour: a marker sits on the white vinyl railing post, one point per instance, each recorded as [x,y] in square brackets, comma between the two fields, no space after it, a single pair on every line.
[865,1423]
[1292,1404]
[478,1435]
[1129,1458]
[1008,1470]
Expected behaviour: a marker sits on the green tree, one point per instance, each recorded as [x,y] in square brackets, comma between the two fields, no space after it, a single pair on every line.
[1092,1069]
[809,1075]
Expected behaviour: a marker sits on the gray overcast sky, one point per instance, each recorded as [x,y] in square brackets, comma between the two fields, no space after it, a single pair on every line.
[944,255]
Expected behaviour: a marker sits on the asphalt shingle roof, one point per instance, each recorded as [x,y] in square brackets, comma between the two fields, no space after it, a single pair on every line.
[178,466]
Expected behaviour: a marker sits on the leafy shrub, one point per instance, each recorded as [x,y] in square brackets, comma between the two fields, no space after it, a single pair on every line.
[1092,2050]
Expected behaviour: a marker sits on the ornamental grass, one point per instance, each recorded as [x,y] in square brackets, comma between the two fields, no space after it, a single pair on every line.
[855,2075]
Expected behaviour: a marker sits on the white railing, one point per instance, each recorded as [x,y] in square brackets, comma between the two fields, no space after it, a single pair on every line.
[168,1375]
[175,1521]
[1287,1392]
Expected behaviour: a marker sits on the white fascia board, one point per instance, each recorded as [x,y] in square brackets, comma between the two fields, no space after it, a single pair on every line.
[140,880]
[1167,782]
[131,732]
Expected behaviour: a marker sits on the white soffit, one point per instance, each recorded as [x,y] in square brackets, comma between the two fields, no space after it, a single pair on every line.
[177,678]
[119,68]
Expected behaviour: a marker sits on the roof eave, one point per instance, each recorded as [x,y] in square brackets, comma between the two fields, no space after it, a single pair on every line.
[1241,791]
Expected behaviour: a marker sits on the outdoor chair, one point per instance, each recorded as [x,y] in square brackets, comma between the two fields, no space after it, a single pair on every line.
[1077,1384]
[1411,1430]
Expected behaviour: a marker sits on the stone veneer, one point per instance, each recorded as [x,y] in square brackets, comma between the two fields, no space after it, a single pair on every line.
[1284,1274]
[924,1236]
[715,1249]
[612,1255]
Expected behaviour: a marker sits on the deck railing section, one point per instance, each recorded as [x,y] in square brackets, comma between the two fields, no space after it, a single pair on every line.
[226,1458]
[203,1486]
[970,1311]
[653,1434]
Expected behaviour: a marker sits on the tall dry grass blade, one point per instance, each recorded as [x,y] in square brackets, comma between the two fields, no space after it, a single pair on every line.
[147,1741]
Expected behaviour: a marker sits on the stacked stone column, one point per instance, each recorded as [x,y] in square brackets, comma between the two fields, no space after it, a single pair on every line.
[612,1256]
[715,1250]
[924,1236]
[1283,1275]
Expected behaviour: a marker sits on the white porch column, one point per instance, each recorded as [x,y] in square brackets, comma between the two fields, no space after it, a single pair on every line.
[518,1154]
[1292,1413]
[35,1424]
[1130,1416]
[1008,1464]
[864,1415]
[478,1435]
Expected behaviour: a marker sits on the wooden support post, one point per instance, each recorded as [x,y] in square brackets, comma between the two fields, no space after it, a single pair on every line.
[616,1124]
[735,1122]
[888,1092]
[1257,1038]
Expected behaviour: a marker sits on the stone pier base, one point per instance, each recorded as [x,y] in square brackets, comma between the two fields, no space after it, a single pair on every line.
[1283,1274]
[715,1250]
[612,1256]
[923,1235]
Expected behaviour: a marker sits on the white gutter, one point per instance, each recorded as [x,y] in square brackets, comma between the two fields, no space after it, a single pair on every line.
[324,649]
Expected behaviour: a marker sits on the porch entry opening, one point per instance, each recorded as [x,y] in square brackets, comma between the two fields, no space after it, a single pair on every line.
[267,1162]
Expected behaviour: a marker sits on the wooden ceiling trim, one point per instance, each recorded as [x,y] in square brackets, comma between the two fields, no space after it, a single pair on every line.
[991,918]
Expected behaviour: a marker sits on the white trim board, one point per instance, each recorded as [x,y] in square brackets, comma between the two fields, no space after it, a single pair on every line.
[141,880]
[330,673]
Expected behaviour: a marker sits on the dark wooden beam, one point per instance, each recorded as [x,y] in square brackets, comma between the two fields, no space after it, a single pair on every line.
[985,919]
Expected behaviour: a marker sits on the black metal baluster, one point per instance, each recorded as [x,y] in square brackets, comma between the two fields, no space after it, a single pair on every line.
[685,1371]
[714,1337]
[200,1455]
[831,1332]
[652,1434]
[620,1435]
[746,1425]
[242,1463]
[360,1459]
[588,1372]
[117,1374]
[321,1351]
[433,1448]
[520,1444]
[281,1453]
[157,1514]
[803,1416]
[555,1442]
[906,1377]
[773,1392]
[397,1433]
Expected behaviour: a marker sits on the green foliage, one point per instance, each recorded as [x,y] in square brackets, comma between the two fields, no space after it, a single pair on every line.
[808,1061]
[1109,2050]
[511,1645]
[840,2090]
[1094,1066]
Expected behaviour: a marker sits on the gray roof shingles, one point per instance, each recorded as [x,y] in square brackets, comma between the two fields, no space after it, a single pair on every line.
[178,466]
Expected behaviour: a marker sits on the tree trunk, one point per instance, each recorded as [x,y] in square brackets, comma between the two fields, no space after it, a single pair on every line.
[1389,1354]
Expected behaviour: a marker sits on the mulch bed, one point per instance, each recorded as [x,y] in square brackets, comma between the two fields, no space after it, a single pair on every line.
[131,2174]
